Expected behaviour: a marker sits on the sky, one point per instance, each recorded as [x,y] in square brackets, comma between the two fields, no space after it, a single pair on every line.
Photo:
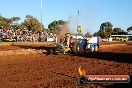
[92,12]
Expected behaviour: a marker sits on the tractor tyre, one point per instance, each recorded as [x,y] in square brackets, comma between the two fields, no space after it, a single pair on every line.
[75,48]
[95,48]
[92,49]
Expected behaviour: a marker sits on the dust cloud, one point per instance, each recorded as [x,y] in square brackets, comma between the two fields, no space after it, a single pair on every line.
[64,29]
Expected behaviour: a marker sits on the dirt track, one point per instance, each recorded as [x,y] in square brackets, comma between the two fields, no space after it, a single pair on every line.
[30,68]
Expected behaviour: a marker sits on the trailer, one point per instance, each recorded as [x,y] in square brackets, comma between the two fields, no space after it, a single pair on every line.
[49,47]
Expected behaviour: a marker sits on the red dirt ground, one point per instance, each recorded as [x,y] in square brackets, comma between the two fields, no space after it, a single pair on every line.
[30,68]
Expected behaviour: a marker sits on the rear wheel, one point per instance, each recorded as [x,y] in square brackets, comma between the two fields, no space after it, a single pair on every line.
[75,48]
[59,49]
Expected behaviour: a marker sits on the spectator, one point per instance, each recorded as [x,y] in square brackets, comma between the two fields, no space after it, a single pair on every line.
[23,35]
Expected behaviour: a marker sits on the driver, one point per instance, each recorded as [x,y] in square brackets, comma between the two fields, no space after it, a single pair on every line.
[67,42]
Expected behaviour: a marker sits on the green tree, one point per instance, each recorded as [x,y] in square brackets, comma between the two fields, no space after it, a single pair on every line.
[55,26]
[5,22]
[8,22]
[129,29]
[119,31]
[2,21]
[116,31]
[105,30]
[32,23]
[15,19]
[95,34]
[14,23]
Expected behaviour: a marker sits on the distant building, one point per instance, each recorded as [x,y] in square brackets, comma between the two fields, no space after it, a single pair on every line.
[121,37]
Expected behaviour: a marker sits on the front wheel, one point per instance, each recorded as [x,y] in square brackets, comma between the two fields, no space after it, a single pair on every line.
[92,49]
[75,48]
[95,48]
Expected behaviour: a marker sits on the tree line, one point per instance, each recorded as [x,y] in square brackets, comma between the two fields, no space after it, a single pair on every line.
[106,30]
[31,23]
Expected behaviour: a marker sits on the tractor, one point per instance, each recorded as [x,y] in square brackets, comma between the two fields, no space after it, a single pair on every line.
[79,44]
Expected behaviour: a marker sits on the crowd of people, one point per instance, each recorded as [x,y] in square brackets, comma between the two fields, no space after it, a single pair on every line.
[24,35]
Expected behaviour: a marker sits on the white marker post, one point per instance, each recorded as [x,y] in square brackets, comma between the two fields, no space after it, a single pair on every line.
[41,14]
